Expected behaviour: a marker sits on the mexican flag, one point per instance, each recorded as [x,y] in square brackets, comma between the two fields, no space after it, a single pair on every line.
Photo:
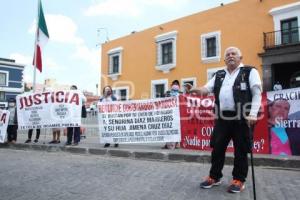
[42,37]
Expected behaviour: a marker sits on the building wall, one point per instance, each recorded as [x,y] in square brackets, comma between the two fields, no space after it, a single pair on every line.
[14,80]
[241,24]
[15,76]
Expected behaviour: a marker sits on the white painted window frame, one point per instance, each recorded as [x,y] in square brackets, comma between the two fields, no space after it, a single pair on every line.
[117,92]
[210,71]
[111,53]
[283,13]
[7,77]
[163,39]
[203,38]
[157,82]
[193,79]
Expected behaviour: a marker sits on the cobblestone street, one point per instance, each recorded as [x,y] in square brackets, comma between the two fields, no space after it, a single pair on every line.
[58,175]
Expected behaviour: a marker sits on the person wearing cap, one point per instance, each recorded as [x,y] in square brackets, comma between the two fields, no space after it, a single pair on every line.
[187,88]
[12,122]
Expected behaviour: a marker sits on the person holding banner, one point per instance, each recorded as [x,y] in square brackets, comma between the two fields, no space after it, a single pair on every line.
[12,122]
[237,91]
[73,133]
[175,89]
[187,88]
[174,92]
[37,136]
[107,96]
[55,136]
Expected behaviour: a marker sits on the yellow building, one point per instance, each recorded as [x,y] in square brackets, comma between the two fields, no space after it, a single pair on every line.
[190,49]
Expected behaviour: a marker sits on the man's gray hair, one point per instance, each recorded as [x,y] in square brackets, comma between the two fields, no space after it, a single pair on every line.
[235,48]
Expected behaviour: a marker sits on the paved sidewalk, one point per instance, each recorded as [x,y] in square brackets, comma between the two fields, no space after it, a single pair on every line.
[40,175]
[91,145]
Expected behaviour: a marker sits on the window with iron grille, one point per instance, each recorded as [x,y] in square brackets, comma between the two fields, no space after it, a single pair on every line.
[159,90]
[167,53]
[289,31]
[211,47]
[123,94]
[115,64]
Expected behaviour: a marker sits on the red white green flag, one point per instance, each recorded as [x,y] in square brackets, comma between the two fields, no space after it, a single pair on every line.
[42,37]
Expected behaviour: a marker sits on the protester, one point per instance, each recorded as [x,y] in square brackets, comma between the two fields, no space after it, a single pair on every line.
[55,136]
[107,96]
[174,92]
[37,136]
[187,88]
[277,86]
[12,122]
[73,133]
[175,89]
[237,90]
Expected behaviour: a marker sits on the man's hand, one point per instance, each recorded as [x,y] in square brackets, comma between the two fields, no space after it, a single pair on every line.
[251,120]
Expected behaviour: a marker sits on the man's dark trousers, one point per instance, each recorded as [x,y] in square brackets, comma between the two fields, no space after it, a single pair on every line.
[225,130]
[73,131]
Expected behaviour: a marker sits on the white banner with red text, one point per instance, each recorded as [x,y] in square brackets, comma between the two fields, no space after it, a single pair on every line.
[55,109]
[139,121]
[4,118]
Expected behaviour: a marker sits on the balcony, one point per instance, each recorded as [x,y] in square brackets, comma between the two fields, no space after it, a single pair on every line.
[281,38]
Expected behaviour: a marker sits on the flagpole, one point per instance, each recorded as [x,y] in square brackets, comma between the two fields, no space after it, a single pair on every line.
[35,48]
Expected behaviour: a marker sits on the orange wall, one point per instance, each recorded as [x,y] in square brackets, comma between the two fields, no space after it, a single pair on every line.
[241,24]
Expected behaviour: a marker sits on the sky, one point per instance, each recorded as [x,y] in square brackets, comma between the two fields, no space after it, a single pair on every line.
[77,28]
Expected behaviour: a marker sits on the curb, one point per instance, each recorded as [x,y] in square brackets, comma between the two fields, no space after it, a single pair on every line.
[165,155]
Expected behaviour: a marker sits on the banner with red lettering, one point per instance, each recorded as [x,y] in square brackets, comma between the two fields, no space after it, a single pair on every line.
[284,121]
[139,121]
[55,109]
[197,123]
[4,118]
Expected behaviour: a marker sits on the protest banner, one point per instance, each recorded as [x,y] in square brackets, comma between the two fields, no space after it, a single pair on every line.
[4,118]
[55,109]
[284,121]
[197,124]
[139,121]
